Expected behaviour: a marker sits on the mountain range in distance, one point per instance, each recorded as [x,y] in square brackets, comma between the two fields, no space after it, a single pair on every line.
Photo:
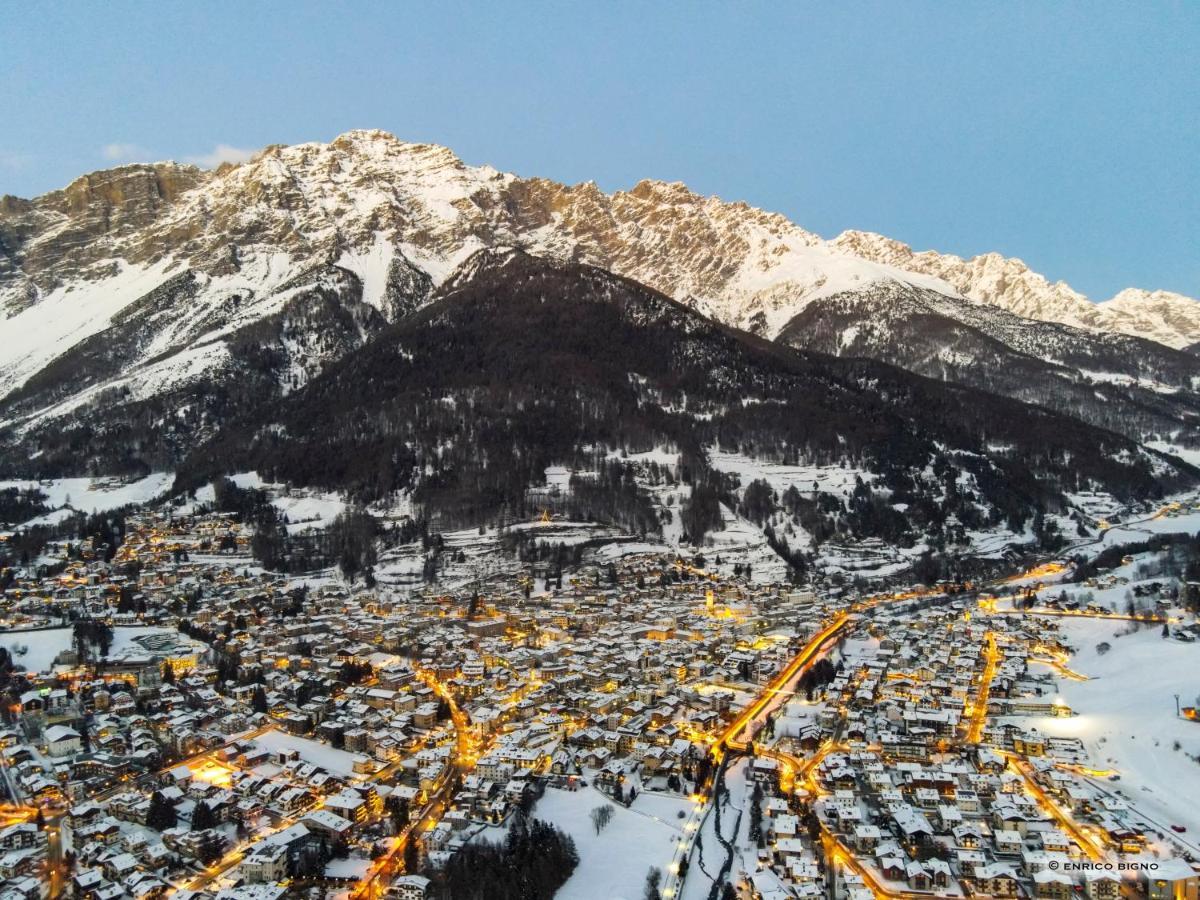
[376,317]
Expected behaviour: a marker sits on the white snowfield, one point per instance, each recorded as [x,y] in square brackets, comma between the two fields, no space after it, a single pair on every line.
[309,509]
[68,315]
[36,650]
[92,495]
[1126,717]
[334,761]
[613,864]
[807,479]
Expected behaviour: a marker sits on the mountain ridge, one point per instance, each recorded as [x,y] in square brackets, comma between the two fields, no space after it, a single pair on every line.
[746,266]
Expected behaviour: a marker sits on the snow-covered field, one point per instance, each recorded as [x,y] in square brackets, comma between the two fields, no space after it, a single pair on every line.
[1187,454]
[41,647]
[1126,716]
[309,509]
[614,863]
[36,650]
[67,315]
[332,760]
[739,541]
[1185,522]
[92,495]
[402,567]
[807,480]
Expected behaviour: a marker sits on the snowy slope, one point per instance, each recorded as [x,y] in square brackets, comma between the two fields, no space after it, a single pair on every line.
[1129,724]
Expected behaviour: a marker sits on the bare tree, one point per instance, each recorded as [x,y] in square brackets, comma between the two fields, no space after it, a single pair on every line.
[601,816]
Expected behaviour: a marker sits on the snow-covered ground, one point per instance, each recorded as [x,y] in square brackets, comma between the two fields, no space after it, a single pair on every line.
[482,557]
[1173,523]
[67,315]
[740,542]
[614,863]
[309,509]
[92,495]
[332,760]
[42,646]
[1187,454]
[1126,716]
[808,480]
[708,856]
[36,650]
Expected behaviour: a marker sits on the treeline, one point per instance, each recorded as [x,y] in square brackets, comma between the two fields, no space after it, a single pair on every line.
[23,547]
[91,638]
[816,677]
[21,504]
[701,511]
[350,541]
[1182,549]
[1178,558]
[918,334]
[535,860]
[613,496]
[118,434]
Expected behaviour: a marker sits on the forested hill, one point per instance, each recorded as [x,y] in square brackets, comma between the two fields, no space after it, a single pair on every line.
[521,362]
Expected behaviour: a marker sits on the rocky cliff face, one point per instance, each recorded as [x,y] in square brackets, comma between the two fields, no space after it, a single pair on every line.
[1159,315]
[76,232]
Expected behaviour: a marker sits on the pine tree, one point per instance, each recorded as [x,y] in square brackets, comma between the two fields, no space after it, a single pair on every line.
[653,881]
[412,854]
[161,815]
[211,846]
[202,816]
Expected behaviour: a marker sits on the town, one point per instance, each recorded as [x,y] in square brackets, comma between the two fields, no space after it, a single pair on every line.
[179,722]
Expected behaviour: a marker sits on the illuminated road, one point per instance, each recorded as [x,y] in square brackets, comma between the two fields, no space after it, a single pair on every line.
[683,847]
[1060,667]
[979,708]
[467,751]
[1052,809]
[796,770]
[793,768]
[778,688]
[839,855]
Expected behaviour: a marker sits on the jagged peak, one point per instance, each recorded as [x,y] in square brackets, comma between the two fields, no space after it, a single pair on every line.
[677,193]
[731,259]
[673,191]
[1139,296]
[365,134]
[853,239]
[372,141]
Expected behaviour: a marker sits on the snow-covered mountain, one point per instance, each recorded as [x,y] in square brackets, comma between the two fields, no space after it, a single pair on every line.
[1123,383]
[160,287]
[1161,316]
[394,213]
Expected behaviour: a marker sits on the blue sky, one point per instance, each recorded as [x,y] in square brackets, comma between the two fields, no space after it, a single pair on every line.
[1062,133]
